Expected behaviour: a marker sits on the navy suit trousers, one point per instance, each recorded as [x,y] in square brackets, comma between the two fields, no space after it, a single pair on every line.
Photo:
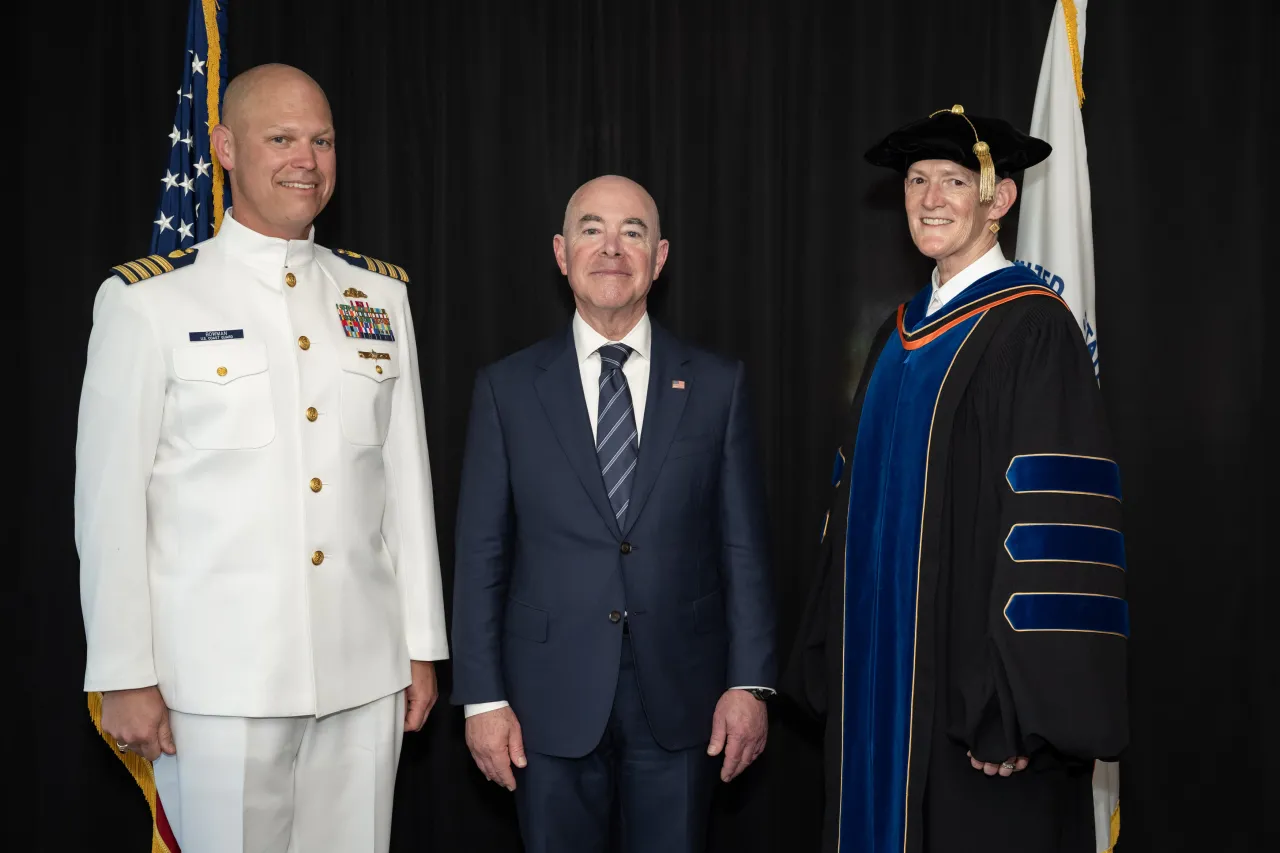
[628,794]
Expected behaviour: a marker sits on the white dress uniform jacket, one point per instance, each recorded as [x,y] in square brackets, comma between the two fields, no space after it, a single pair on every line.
[253,496]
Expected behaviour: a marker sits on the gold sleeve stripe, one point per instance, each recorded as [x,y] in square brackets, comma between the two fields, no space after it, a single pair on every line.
[372,264]
[150,266]
[138,268]
[126,273]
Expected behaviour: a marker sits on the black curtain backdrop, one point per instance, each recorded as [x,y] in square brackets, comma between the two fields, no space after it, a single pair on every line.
[463,128]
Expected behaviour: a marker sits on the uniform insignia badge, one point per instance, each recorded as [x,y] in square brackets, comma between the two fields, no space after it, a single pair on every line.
[375,355]
[373,264]
[132,272]
[361,320]
[218,335]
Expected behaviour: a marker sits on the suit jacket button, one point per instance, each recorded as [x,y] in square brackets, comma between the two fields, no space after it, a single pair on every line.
[615,617]
[626,548]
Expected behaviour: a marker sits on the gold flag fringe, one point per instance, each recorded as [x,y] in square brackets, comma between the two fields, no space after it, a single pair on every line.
[139,768]
[213,91]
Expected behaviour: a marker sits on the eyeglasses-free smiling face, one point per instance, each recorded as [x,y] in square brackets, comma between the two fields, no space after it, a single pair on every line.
[277,140]
[943,213]
[611,250]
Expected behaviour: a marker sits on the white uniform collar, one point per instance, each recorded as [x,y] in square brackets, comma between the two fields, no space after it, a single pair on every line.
[260,252]
[587,340]
[990,262]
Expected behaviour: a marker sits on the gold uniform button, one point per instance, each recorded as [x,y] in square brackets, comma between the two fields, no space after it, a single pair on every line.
[304,342]
[312,414]
[317,558]
[378,367]
[290,279]
[316,485]
[222,371]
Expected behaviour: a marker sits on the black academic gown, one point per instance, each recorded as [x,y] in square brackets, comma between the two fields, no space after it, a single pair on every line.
[970,594]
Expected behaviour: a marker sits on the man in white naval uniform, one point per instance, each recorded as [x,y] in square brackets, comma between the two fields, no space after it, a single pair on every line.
[260,578]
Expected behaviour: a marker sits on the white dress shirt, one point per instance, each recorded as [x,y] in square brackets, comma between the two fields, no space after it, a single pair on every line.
[992,261]
[587,342]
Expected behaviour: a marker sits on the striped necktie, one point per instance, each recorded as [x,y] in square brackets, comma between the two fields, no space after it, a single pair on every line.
[616,434]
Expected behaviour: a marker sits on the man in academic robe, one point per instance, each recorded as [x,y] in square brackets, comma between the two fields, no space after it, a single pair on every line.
[967,637]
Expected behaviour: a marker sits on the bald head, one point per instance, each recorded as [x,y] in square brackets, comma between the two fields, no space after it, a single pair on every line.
[611,251]
[262,86]
[611,185]
[276,140]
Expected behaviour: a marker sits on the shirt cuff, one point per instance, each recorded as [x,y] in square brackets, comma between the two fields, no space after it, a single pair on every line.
[769,690]
[483,707]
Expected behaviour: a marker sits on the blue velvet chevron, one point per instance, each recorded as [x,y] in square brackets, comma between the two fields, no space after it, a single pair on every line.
[1056,472]
[1062,611]
[1065,543]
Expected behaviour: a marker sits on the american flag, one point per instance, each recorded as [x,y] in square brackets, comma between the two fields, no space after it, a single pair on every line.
[195,193]
[190,211]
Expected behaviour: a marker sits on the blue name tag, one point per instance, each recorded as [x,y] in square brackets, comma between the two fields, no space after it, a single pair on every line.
[220,335]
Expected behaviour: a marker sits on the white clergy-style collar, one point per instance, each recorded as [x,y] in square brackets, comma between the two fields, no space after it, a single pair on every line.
[993,261]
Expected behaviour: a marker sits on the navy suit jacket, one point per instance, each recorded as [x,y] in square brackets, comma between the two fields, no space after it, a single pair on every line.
[542,564]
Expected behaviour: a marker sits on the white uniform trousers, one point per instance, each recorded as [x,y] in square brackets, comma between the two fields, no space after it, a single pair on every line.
[283,784]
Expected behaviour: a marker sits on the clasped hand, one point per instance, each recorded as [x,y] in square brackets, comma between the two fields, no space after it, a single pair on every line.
[1008,768]
[139,721]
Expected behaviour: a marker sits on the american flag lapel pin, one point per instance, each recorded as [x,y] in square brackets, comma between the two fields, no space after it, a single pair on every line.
[677,384]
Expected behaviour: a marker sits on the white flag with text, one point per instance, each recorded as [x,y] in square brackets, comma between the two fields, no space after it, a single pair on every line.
[1055,239]
[1055,228]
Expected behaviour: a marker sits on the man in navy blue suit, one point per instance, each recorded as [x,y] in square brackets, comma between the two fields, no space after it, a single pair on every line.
[613,624]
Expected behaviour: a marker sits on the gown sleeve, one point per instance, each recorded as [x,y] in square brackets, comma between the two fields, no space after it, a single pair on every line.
[1058,621]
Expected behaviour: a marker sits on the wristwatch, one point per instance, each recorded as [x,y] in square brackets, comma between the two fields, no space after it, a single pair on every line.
[760,693]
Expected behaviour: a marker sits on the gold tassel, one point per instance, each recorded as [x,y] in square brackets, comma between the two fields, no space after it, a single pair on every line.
[987,169]
[987,180]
